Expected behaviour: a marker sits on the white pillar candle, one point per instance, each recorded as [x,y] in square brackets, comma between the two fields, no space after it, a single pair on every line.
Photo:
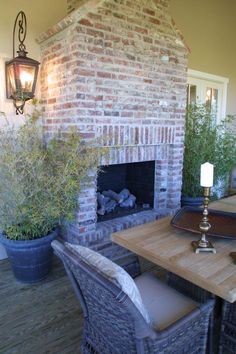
[207,173]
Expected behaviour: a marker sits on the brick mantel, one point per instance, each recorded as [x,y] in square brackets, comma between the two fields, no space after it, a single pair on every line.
[117,70]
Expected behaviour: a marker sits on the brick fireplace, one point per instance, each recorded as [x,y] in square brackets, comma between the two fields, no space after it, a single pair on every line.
[117,70]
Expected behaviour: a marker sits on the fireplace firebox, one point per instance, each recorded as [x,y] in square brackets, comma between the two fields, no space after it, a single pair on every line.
[125,189]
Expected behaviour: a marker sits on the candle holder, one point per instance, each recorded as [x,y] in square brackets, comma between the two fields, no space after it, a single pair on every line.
[203,245]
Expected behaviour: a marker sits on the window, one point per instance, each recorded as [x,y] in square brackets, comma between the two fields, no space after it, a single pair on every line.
[209,89]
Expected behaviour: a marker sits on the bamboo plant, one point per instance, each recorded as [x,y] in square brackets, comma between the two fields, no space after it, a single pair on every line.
[206,141]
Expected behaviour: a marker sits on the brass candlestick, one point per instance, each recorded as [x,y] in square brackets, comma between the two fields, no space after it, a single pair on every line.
[203,245]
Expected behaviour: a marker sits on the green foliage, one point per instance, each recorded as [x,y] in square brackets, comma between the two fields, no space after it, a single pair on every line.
[206,141]
[39,180]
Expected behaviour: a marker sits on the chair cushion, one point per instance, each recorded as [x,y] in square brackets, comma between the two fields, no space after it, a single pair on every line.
[164,304]
[113,272]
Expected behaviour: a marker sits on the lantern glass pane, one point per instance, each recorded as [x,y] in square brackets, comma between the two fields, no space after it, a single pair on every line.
[26,77]
[11,84]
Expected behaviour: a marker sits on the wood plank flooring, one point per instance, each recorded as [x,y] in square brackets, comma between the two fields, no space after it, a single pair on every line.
[44,318]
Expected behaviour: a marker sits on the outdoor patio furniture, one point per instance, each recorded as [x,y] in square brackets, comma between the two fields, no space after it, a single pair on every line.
[117,320]
[228,329]
[198,294]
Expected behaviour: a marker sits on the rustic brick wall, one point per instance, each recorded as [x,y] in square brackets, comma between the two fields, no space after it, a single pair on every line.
[117,70]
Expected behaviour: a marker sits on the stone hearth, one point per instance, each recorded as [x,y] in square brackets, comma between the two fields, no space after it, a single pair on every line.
[117,70]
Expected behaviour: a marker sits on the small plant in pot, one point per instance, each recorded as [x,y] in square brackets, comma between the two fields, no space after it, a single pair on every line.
[206,141]
[39,185]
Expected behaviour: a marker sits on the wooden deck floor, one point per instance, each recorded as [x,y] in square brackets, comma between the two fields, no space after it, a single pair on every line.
[44,318]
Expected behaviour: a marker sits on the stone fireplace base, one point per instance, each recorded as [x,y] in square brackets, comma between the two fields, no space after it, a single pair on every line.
[101,241]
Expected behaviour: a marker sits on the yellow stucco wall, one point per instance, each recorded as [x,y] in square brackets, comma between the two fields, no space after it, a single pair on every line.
[40,15]
[209,28]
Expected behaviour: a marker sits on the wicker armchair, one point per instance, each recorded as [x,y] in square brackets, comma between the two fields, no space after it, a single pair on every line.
[114,325]
[228,329]
[200,295]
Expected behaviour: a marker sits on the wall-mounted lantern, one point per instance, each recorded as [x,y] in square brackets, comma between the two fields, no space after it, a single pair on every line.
[21,71]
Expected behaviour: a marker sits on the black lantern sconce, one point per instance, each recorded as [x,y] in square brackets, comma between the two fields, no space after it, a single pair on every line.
[21,71]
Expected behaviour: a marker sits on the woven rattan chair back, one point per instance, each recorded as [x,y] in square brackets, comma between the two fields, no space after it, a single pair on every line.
[111,321]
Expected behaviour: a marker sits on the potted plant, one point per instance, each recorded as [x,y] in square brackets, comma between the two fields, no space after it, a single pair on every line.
[39,184]
[206,141]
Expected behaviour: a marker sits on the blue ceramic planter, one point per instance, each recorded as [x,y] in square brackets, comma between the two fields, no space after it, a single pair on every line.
[191,201]
[31,260]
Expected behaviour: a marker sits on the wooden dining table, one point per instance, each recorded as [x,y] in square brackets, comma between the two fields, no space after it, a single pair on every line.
[170,248]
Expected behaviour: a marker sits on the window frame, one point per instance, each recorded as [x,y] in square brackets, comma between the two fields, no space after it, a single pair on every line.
[202,80]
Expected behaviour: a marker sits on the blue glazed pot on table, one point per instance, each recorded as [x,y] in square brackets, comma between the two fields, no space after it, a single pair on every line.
[31,260]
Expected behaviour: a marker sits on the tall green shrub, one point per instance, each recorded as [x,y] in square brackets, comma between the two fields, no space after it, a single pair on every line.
[206,141]
[39,179]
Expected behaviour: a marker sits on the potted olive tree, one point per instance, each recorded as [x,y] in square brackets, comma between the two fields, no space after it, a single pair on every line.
[206,141]
[39,185]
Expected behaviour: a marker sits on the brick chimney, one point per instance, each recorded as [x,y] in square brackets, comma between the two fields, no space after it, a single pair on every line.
[117,70]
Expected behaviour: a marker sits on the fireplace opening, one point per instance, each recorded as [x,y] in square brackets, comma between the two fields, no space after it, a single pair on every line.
[125,189]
